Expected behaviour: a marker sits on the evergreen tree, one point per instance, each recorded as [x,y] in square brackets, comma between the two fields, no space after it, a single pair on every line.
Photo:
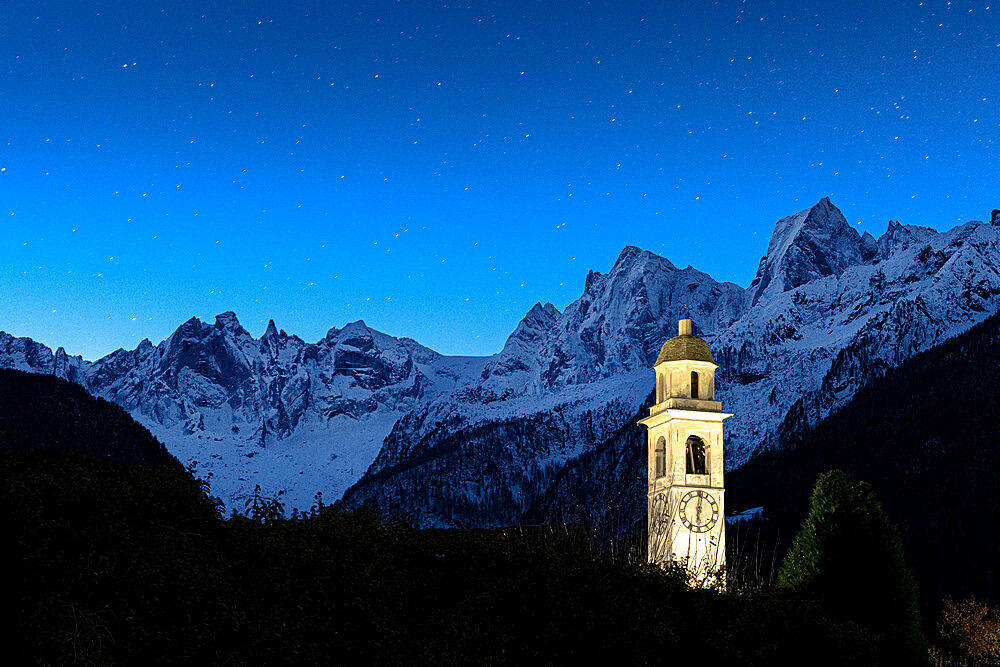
[850,556]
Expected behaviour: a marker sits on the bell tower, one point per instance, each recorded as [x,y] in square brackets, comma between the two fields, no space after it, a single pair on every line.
[685,486]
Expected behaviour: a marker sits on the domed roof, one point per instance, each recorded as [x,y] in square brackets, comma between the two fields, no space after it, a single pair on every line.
[685,347]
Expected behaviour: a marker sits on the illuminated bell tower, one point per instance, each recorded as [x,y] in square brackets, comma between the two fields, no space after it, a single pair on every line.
[685,486]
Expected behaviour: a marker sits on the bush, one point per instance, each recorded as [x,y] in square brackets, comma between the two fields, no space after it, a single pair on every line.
[970,630]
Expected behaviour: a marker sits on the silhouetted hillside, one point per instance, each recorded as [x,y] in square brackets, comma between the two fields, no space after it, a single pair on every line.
[45,412]
[927,437]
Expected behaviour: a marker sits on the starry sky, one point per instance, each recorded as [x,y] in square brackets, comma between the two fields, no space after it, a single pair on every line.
[435,168]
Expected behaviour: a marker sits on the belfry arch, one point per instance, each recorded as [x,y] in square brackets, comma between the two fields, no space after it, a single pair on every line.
[696,456]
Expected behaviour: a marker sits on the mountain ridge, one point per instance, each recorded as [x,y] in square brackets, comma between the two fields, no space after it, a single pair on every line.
[300,417]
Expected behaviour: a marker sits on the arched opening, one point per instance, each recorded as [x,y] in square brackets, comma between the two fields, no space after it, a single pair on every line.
[697,463]
[694,384]
[660,389]
[660,459]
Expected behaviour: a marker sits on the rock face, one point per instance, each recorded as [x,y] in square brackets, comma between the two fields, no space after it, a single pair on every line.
[24,354]
[615,327]
[815,243]
[480,441]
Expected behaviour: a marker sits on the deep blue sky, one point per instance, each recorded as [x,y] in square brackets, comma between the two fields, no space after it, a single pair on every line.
[436,169]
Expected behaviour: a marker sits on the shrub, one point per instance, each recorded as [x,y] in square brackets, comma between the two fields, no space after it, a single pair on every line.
[969,629]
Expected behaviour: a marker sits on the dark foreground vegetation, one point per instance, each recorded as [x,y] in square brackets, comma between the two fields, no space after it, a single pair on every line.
[114,564]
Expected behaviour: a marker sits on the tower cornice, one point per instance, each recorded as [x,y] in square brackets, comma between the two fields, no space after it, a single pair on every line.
[670,414]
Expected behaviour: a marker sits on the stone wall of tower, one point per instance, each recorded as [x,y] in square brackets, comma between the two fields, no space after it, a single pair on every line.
[701,547]
[674,380]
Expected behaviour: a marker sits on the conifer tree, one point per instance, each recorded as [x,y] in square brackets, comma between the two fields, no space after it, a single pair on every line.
[850,556]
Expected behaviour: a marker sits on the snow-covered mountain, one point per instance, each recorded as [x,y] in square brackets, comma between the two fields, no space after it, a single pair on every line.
[615,327]
[564,383]
[828,310]
[24,354]
[292,416]
[465,440]
[788,363]
[801,353]
[812,244]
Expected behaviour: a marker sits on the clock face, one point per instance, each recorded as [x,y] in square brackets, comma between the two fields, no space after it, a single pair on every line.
[699,511]
[659,511]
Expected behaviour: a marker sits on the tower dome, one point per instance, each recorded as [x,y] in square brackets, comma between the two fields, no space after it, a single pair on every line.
[685,347]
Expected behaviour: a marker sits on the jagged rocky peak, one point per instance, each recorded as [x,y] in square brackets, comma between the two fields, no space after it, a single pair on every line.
[632,263]
[995,217]
[632,257]
[24,354]
[274,341]
[228,327]
[535,324]
[227,321]
[524,347]
[192,330]
[353,334]
[899,237]
[544,315]
[271,331]
[357,334]
[356,328]
[811,244]
[620,322]
[373,358]
[218,353]
[593,277]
